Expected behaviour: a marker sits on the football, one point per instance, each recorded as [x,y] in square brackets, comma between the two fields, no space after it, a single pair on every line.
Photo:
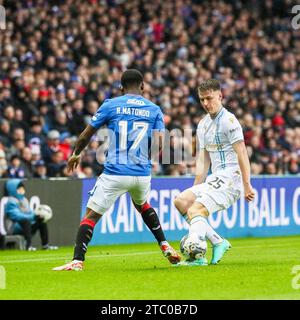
[44,212]
[192,247]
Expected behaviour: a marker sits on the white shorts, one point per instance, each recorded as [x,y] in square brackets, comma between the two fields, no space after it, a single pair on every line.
[109,188]
[219,191]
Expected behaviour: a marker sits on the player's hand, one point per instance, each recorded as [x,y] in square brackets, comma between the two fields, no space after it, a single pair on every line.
[73,162]
[249,192]
[36,214]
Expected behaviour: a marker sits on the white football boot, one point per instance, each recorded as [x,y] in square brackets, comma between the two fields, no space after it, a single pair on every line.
[75,265]
[170,253]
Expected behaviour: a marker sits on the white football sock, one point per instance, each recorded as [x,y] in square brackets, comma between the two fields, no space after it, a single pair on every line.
[198,225]
[212,235]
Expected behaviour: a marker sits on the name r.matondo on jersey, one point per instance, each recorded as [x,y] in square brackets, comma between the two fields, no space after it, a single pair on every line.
[133,111]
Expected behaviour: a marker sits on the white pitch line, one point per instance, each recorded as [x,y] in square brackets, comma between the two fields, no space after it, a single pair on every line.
[100,256]
[40,254]
[89,257]
[262,246]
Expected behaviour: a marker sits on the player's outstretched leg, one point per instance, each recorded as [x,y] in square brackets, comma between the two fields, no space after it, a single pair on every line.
[197,214]
[151,220]
[183,203]
[84,236]
[219,245]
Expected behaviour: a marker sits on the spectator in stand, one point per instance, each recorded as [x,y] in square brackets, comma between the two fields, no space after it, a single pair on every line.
[51,146]
[86,171]
[65,145]
[61,122]
[5,133]
[35,132]
[15,169]
[26,161]
[3,164]
[16,148]
[35,146]
[39,169]
[77,123]
[56,165]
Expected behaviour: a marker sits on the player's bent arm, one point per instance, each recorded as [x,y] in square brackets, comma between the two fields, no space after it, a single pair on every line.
[84,138]
[202,166]
[243,159]
[81,143]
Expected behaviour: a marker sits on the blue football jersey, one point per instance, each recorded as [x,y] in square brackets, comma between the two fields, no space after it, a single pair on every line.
[131,120]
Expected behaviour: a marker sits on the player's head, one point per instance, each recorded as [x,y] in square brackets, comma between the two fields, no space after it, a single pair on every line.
[210,95]
[132,80]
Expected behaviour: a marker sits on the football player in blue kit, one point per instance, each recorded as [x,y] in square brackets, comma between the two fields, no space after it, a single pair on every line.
[134,124]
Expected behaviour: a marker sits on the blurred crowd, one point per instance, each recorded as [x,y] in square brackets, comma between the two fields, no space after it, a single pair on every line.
[60,60]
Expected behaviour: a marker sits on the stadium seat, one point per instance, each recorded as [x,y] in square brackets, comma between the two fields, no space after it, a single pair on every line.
[14,241]
[10,241]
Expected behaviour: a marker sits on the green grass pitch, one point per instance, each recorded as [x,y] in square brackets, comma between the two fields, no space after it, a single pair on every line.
[255,268]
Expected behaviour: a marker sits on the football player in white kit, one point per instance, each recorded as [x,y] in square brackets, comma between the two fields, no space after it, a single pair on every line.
[221,147]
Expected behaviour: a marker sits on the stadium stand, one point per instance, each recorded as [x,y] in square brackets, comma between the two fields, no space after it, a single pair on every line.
[61,59]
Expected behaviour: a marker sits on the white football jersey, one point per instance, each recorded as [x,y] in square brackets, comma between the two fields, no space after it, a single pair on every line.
[217,136]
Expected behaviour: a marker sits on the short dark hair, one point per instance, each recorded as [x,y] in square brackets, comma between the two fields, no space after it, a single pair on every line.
[210,84]
[13,157]
[131,78]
